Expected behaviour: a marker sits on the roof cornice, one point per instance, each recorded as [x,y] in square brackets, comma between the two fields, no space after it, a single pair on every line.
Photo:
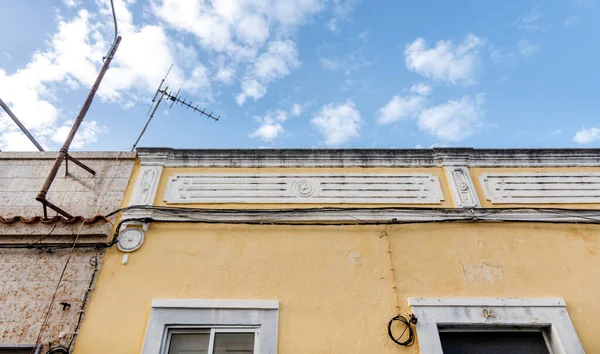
[370,157]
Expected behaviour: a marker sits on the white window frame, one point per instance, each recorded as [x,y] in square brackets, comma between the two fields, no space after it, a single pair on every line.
[495,313]
[211,331]
[230,316]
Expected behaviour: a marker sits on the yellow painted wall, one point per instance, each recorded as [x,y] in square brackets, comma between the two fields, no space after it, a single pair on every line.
[332,282]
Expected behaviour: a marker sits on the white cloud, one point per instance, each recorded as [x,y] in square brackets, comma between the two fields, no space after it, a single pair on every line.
[587,135]
[570,21]
[526,48]
[399,108]
[87,134]
[224,73]
[17,141]
[349,63]
[332,25]
[363,36]
[531,21]
[71,3]
[276,62]
[240,30]
[331,64]
[501,56]
[338,122]
[253,30]
[271,126]
[421,89]
[250,88]
[453,63]
[72,59]
[553,133]
[341,10]
[454,120]
[296,109]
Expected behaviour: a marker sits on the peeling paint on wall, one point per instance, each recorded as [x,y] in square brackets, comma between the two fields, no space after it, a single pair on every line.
[354,258]
[483,271]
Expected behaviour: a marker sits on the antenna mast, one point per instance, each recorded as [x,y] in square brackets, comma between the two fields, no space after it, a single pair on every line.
[168,96]
[63,153]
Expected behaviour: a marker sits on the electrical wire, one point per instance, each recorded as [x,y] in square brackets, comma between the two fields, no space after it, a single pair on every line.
[391,269]
[398,318]
[187,215]
[94,263]
[411,334]
[52,300]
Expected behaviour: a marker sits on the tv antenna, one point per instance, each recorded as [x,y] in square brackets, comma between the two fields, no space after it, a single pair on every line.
[167,95]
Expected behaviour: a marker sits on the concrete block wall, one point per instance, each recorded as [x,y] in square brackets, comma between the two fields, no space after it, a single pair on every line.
[29,278]
[22,176]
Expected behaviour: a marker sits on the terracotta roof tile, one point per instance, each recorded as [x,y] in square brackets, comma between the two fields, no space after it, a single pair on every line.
[40,219]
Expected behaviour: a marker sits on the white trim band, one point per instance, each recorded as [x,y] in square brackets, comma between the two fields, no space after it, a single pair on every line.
[486,301]
[548,315]
[216,304]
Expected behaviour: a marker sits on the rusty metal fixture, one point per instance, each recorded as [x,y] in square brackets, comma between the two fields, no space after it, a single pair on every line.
[21,126]
[63,154]
[58,350]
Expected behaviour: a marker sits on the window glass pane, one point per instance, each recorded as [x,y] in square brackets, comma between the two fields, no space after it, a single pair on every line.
[189,343]
[490,342]
[239,343]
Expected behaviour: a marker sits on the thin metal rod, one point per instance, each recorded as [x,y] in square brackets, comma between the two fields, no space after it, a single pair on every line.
[79,163]
[113,47]
[112,6]
[21,126]
[162,94]
[57,209]
[41,197]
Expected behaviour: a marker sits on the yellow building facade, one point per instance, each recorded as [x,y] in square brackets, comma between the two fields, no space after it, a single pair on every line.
[316,251]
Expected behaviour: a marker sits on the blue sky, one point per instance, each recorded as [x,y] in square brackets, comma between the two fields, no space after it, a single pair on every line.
[307,73]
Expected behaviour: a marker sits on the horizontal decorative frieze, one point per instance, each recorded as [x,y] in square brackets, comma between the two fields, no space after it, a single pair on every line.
[542,187]
[304,188]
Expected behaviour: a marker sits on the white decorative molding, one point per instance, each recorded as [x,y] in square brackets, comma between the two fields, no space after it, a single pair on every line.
[216,304]
[541,187]
[462,187]
[166,314]
[486,301]
[491,314]
[348,188]
[146,185]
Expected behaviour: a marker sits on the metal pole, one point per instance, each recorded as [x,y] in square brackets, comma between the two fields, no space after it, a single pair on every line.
[23,129]
[162,94]
[41,197]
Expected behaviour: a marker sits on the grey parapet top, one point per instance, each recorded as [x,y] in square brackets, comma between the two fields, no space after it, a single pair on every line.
[371,157]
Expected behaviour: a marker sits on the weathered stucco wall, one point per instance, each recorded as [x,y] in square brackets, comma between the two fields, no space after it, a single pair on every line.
[333,281]
[28,279]
[30,276]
